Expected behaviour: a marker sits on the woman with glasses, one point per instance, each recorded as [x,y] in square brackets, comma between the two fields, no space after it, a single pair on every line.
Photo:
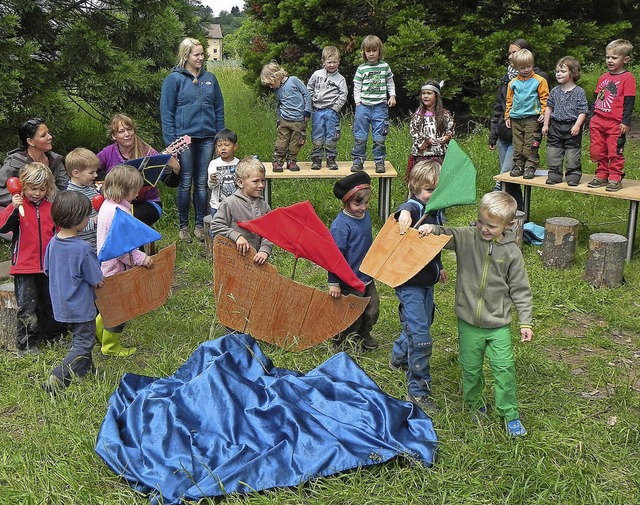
[36,140]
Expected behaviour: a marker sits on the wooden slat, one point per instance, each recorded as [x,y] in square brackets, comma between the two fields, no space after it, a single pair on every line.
[344,169]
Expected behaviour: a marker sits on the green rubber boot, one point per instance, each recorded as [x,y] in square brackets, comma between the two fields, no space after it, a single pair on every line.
[111,345]
[99,328]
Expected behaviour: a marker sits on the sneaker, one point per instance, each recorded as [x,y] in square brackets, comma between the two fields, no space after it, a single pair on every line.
[380,167]
[424,402]
[397,366]
[316,163]
[515,429]
[516,172]
[614,186]
[357,167]
[293,166]
[572,182]
[529,173]
[331,164]
[53,385]
[597,182]
[480,415]
[369,343]
[278,166]
[552,181]
[184,235]
[198,232]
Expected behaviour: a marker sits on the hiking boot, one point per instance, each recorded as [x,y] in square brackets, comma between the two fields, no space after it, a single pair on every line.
[278,166]
[529,173]
[597,182]
[184,235]
[369,343]
[516,172]
[573,182]
[293,166]
[380,167]
[515,429]
[316,163]
[425,403]
[331,164]
[552,181]
[198,232]
[357,166]
[614,186]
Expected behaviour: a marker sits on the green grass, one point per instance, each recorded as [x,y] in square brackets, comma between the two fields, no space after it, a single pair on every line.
[578,380]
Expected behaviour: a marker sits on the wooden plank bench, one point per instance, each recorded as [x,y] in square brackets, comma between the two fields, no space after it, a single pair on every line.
[344,169]
[630,191]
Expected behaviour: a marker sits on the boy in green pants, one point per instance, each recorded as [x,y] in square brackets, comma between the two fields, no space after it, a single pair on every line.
[491,277]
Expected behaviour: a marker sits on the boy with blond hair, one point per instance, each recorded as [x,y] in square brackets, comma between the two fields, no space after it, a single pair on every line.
[82,166]
[328,90]
[491,278]
[615,97]
[527,95]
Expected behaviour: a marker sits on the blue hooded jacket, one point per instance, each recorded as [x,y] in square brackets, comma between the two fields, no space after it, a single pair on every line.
[190,106]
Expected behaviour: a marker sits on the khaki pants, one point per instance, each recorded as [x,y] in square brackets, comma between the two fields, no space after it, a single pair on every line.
[290,137]
[527,134]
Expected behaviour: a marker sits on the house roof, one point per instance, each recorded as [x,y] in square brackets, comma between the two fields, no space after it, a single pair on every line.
[214,31]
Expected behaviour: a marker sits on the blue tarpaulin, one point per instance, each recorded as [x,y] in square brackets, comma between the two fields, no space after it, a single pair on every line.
[229,421]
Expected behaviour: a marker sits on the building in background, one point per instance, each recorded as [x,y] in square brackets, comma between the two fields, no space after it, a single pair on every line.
[214,42]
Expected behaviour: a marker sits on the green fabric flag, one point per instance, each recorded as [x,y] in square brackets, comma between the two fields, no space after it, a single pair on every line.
[457,184]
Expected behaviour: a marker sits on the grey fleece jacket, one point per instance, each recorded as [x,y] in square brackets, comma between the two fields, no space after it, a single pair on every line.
[491,277]
[238,207]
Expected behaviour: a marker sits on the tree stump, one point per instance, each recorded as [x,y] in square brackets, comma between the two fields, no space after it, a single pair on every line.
[208,240]
[605,262]
[8,315]
[560,237]
[517,227]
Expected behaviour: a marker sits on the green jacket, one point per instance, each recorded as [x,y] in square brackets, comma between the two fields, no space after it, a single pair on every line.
[491,277]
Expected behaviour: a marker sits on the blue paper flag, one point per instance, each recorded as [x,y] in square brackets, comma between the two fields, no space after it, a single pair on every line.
[126,234]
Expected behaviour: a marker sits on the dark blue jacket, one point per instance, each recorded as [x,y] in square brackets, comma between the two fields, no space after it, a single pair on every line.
[190,106]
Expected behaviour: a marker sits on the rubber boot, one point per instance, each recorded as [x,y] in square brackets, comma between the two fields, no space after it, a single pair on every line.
[111,345]
[99,328]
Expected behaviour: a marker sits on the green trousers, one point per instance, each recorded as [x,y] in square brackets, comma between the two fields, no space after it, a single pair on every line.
[474,343]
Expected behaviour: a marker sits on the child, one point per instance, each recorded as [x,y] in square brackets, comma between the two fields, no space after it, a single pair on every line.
[328,90]
[566,111]
[293,108]
[527,95]
[82,166]
[413,348]
[615,98]
[491,277]
[244,204]
[74,272]
[120,188]
[371,85]
[431,127]
[222,170]
[351,230]
[29,218]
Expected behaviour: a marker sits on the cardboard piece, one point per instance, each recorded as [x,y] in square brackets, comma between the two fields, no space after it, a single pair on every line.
[258,301]
[137,291]
[394,258]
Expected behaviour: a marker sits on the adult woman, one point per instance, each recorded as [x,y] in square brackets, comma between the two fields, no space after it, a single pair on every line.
[147,206]
[36,143]
[499,134]
[191,103]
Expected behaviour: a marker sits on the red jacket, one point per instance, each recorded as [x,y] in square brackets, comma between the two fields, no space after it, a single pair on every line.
[31,234]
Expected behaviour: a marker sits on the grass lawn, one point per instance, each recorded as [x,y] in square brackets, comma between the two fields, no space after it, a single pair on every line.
[579,382]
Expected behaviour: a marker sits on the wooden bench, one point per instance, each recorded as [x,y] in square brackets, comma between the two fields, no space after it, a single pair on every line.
[344,169]
[630,191]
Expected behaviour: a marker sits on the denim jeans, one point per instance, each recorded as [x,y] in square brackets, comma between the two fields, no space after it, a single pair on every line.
[416,318]
[505,155]
[325,132]
[375,117]
[193,172]
[78,361]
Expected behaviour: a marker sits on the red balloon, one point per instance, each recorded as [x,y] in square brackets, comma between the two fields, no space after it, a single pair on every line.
[97,201]
[14,186]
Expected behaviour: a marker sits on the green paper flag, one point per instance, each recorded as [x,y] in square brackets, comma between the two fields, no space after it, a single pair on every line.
[457,184]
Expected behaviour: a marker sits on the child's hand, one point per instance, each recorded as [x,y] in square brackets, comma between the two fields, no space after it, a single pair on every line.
[392,101]
[301,141]
[100,284]
[242,245]
[213,178]
[545,130]
[425,229]
[404,221]
[148,262]
[526,334]
[260,258]
[444,276]
[540,118]
[427,143]
[575,130]
[507,123]
[624,129]
[335,291]
[16,200]
[445,139]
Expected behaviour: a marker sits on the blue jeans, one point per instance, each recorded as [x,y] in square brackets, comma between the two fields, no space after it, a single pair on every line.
[325,132]
[505,155]
[376,117]
[193,172]
[416,316]
[78,360]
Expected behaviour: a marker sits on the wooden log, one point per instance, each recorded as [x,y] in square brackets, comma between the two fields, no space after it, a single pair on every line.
[560,237]
[208,240]
[8,315]
[605,261]
[517,226]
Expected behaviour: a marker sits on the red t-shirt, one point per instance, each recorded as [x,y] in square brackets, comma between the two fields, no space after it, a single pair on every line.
[610,93]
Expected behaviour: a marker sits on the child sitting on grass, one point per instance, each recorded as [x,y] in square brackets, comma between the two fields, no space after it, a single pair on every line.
[351,230]
[82,166]
[74,272]
[244,204]
[491,278]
